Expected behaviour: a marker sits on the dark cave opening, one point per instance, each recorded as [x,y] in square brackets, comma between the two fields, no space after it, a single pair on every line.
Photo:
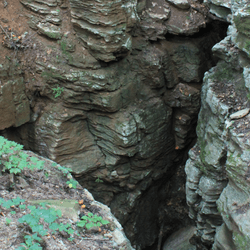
[219,30]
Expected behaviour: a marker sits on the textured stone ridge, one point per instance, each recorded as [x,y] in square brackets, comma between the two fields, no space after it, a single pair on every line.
[103,26]
[217,186]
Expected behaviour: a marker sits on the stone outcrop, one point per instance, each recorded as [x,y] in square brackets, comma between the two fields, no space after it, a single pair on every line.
[14,104]
[47,190]
[104,26]
[114,92]
[218,169]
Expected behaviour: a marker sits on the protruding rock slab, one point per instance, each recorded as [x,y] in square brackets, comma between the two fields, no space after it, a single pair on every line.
[181,4]
[103,26]
[239,114]
[153,18]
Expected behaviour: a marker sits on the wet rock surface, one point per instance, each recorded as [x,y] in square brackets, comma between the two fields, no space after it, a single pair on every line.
[114,93]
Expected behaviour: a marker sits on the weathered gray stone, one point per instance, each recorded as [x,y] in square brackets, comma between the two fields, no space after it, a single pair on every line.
[180,240]
[182,22]
[103,26]
[56,129]
[51,3]
[39,8]
[152,19]
[187,60]
[239,114]
[221,153]
[181,4]
[246,74]
[51,31]
[14,105]
[223,239]
[220,8]
[183,95]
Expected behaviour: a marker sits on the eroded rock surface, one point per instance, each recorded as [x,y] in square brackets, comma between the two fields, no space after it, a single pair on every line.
[114,94]
[46,189]
[218,169]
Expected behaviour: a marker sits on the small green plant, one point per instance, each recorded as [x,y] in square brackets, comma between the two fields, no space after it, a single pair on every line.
[57,91]
[98,180]
[72,183]
[7,221]
[64,170]
[92,220]
[223,73]
[30,243]
[248,96]
[9,203]
[34,219]
[14,160]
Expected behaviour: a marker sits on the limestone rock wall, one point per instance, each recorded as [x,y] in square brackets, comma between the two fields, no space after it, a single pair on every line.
[217,185]
[114,92]
[14,104]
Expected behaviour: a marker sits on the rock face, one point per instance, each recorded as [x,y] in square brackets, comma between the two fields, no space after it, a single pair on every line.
[114,92]
[218,169]
[39,201]
[104,26]
[14,104]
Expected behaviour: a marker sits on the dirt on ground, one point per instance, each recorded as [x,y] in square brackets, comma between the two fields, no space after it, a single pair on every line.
[48,184]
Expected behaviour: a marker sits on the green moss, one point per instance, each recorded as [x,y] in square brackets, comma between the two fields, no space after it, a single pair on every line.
[53,35]
[203,169]
[242,24]
[231,160]
[203,151]
[50,74]
[223,72]
[32,22]
[248,96]
[66,45]
[247,46]
[63,45]
[240,241]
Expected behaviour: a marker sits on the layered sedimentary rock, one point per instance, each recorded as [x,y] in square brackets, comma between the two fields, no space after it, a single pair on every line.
[104,26]
[14,104]
[114,92]
[218,169]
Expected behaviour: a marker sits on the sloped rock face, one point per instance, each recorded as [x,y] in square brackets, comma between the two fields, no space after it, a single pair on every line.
[14,104]
[115,96]
[218,169]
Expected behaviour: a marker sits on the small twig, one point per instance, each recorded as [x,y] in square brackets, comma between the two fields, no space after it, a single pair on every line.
[4,31]
[29,37]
